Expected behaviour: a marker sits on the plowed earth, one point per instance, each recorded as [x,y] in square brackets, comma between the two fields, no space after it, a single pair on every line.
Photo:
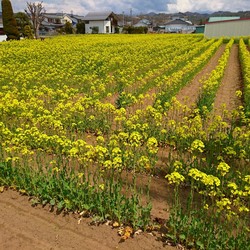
[25,227]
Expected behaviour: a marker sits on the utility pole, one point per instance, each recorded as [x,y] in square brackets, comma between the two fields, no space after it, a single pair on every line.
[131,14]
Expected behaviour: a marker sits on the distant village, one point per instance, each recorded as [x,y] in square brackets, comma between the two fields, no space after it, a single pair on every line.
[107,22]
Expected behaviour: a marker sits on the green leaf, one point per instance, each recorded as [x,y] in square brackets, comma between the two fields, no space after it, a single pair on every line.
[86,207]
[44,202]
[52,202]
[60,205]
[200,244]
[34,201]
[171,236]
[182,236]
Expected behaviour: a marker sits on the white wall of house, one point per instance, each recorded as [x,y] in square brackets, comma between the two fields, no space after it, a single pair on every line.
[228,29]
[66,19]
[104,27]
[3,38]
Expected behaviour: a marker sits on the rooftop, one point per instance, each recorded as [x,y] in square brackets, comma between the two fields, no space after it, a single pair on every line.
[95,16]
[222,18]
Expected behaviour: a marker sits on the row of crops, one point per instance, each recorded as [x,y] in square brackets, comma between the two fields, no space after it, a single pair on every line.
[76,132]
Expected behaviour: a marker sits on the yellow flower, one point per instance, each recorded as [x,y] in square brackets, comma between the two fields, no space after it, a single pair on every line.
[206,206]
[80,175]
[175,178]
[208,180]
[197,146]
[177,165]
[135,139]
[116,152]
[56,169]
[223,168]
[101,186]
[144,162]
[247,179]
[117,162]
[108,164]
[238,93]
[224,203]
[243,209]
[152,145]
[100,139]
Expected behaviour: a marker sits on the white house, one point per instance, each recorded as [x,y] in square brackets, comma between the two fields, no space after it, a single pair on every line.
[179,26]
[231,27]
[100,22]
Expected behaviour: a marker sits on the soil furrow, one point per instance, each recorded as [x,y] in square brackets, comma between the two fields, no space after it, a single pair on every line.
[190,93]
[226,97]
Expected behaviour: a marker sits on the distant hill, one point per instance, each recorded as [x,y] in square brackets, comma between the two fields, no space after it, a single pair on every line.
[194,17]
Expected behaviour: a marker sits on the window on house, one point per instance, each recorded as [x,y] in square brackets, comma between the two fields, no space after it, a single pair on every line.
[57,21]
[107,29]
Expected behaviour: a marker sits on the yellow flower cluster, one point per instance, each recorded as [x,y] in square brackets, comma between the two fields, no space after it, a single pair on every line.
[197,146]
[223,168]
[175,178]
[208,180]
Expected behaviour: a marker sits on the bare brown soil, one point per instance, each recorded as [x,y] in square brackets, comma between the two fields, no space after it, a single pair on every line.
[231,82]
[111,99]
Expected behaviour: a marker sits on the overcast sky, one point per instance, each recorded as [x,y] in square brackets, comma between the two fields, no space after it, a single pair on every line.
[82,7]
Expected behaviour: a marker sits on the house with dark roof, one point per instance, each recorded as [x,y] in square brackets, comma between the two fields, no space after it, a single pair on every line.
[227,27]
[53,21]
[179,26]
[77,18]
[100,22]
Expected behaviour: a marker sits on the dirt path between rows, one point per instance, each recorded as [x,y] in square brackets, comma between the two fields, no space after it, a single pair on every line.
[190,93]
[30,228]
[231,82]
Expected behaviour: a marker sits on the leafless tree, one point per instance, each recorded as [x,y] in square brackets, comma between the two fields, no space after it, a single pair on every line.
[36,13]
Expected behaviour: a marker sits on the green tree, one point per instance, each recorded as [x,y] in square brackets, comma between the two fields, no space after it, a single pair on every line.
[23,20]
[27,32]
[80,28]
[68,28]
[9,22]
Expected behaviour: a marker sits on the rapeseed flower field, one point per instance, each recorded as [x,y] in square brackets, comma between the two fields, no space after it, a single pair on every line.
[69,132]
